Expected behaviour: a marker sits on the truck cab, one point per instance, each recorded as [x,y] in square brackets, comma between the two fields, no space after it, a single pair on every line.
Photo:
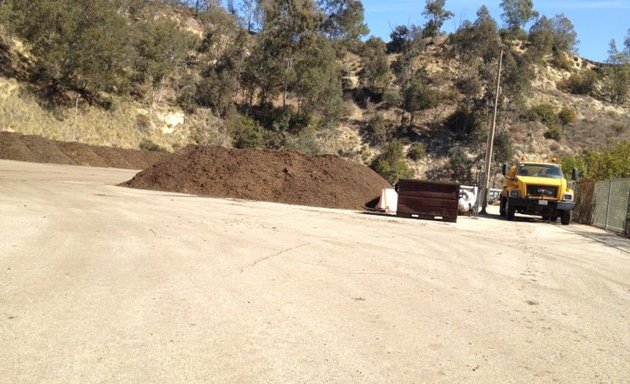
[536,189]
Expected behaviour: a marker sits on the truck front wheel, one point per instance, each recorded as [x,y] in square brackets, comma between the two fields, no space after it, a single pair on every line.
[565,217]
[509,210]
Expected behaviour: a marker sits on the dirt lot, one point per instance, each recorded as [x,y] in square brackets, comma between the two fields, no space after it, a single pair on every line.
[100,283]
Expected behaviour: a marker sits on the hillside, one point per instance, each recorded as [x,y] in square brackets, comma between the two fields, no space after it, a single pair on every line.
[440,108]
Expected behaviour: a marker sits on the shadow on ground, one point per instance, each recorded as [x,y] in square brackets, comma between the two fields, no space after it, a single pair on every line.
[609,239]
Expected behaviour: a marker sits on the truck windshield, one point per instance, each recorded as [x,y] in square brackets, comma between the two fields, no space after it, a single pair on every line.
[540,170]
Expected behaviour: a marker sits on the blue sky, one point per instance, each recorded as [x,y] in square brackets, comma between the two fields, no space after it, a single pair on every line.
[595,21]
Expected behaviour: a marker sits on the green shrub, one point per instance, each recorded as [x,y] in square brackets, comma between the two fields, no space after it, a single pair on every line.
[245,132]
[377,131]
[610,164]
[460,166]
[544,113]
[392,98]
[306,142]
[391,165]
[567,115]
[582,83]
[284,120]
[467,125]
[554,133]
[569,163]
[416,151]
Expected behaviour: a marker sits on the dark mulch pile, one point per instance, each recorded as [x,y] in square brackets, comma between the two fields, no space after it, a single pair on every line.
[285,177]
[37,149]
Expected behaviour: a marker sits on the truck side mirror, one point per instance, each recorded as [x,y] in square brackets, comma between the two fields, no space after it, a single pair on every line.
[504,169]
[576,174]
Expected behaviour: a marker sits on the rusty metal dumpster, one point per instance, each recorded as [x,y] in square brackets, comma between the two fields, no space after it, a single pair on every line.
[427,199]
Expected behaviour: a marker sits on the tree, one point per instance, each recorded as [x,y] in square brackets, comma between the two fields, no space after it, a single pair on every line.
[417,96]
[541,35]
[516,79]
[517,13]
[317,84]
[343,20]
[223,52]
[375,72]
[581,83]
[436,14]
[78,45]
[203,5]
[553,35]
[283,39]
[161,46]
[398,39]
[250,15]
[477,39]
[293,58]
[617,75]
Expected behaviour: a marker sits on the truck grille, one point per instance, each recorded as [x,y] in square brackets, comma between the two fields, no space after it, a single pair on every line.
[542,191]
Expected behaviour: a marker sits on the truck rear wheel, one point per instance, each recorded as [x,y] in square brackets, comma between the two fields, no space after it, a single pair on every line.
[565,217]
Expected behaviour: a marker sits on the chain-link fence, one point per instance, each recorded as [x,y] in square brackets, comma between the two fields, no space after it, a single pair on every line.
[605,204]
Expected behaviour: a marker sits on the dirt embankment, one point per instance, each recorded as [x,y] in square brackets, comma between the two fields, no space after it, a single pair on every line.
[37,149]
[285,177]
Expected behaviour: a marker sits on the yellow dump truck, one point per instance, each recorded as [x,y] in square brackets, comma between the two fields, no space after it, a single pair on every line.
[537,189]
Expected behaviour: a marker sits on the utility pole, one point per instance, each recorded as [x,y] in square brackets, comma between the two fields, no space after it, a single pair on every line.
[490,143]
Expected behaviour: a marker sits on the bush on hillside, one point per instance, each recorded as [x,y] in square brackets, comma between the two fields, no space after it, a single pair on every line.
[416,151]
[544,113]
[391,165]
[460,166]
[582,83]
[554,133]
[245,132]
[467,125]
[377,131]
[567,115]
